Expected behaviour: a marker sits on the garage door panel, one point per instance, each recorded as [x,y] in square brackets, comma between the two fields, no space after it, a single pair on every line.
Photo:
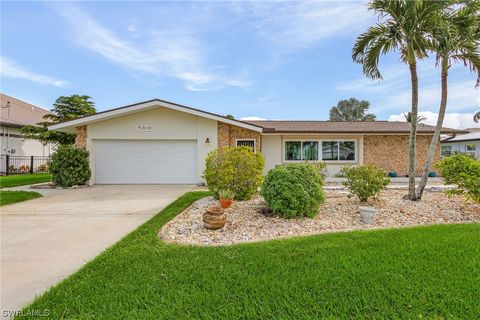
[145,161]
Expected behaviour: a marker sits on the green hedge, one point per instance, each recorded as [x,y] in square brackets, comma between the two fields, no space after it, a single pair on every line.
[237,169]
[464,172]
[365,181]
[69,166]
[294,190]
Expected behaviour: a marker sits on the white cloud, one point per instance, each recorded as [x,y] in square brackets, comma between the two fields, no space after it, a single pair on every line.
[452,120]
[253,118]
[11,69]
[298,24]
[393,93]
[163,53]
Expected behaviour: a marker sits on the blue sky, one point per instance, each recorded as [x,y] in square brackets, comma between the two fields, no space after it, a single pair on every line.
[274,60]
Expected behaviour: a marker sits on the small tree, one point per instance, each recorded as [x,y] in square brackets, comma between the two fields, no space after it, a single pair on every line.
[65,108]
[365,181]
[351,110]
[464,172]
[69,166]
[238,169]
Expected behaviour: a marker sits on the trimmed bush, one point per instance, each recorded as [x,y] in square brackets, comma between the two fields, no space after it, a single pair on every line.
[365,181]
[69,166]
[294,190]
[464,172]
[237,169]
[319,166]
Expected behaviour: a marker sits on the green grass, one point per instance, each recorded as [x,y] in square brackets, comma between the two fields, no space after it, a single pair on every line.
[425,272]
[24,179]
[9,197]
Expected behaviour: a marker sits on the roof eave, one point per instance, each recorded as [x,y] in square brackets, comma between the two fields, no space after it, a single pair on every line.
[147,105]
[11,125]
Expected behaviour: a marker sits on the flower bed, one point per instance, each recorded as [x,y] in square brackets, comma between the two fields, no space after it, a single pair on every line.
[249,221]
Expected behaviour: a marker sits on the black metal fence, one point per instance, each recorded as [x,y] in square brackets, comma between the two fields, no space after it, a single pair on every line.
[10,164]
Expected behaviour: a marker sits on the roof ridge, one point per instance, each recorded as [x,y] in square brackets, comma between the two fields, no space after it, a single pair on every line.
[23,101]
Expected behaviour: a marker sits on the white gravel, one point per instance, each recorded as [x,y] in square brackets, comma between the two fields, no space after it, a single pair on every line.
[247,222]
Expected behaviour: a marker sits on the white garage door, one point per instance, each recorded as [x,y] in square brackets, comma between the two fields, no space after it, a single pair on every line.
[145,161]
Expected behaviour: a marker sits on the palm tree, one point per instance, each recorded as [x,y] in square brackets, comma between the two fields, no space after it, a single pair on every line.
[351,110]
[455,38]
[476,117]
[408,117]
[402,26]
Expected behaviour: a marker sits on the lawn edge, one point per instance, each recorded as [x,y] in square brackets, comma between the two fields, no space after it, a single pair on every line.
[37,196]
[101,255]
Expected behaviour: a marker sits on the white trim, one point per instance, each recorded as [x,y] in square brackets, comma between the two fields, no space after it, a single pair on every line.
[307,134]
[339,162]
[146,106]
[252,139]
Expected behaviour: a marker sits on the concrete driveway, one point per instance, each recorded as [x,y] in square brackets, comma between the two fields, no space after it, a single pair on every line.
[44,240]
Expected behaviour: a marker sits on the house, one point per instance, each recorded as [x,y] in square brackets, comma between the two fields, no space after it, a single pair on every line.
[15,115]
[158,141]
[468,143]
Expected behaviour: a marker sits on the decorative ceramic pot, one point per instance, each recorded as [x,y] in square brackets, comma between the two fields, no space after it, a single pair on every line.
[392,174]
[226,203]
[214,218]
[368,214]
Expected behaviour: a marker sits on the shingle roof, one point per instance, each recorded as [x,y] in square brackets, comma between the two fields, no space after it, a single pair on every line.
[298,126]
[21,113]
[472,136]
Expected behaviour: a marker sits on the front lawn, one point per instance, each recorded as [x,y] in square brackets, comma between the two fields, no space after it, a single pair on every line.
[423,272]
[10,197]
[24,179]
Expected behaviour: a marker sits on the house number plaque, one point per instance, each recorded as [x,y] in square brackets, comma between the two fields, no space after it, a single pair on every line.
[144,127]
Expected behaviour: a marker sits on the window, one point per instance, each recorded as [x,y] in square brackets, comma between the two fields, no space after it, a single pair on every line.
[346,150]
[330,150]
[310,151]
[446,151]
[470,148]
[246,143]
[293,151]
[301,150]
[338,150]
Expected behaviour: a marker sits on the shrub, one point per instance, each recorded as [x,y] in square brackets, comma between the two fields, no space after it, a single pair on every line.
[319,166]
[69,166]
[293,190]
[464,172]
[365,181]
[237,169]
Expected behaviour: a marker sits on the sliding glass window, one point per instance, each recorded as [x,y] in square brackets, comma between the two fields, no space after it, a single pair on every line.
[301,150]
[338,150]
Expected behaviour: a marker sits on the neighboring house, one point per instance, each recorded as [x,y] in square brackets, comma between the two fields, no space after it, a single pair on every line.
[15,115]
[468,143]
[162,142]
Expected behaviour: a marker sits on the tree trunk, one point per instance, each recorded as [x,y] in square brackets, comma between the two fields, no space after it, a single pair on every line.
[412,144]
[436,134]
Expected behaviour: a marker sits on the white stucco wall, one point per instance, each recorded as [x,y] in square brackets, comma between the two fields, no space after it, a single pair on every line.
[461,146]
[166,124]
[273,148]
[14,145]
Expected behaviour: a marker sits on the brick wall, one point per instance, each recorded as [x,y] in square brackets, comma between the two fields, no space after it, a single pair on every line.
[228,134]
[391,152]
[81,138]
